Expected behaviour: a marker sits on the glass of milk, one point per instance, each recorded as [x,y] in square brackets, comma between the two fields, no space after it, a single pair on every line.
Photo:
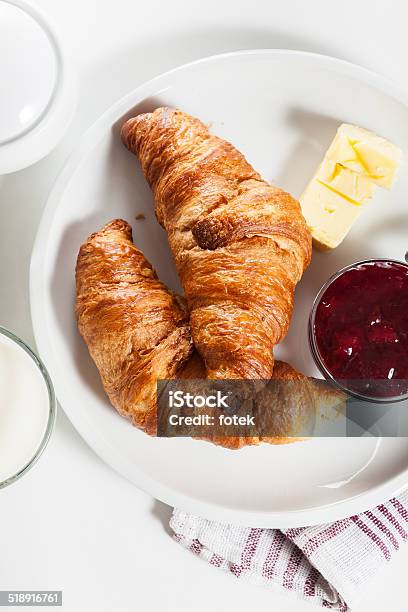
[27,408]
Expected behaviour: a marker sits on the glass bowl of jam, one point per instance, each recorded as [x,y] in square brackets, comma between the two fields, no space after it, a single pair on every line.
[358,330]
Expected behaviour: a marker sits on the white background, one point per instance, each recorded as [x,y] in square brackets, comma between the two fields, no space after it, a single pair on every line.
[72,523]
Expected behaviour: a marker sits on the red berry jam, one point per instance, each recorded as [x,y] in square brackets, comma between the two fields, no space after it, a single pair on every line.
[361,329]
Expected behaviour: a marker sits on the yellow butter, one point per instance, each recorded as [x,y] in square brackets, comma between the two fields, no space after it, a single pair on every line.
[366,154]
[353,186]
[328,214]
[355,162]
[341,151]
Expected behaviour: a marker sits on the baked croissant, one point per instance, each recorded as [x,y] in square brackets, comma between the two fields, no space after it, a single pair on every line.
[137,332]
[240,244]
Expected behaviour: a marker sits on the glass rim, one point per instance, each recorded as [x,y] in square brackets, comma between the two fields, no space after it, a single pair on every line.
[52,407]
[312,336]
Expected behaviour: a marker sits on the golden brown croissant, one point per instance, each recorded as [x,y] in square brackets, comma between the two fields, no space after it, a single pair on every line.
[137,333]
[240,244]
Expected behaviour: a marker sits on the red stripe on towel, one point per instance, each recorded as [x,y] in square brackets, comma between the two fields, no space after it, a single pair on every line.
[371,535]
[292,568]
[216,560]
[294,532]
[273,554]
[392,519]
[235,569]
[400,508]
[380,525]
[326,535]
[196,547]
[250,548]
[311,582]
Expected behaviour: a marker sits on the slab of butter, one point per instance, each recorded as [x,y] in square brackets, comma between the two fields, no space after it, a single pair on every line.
[355,162]
[365,153]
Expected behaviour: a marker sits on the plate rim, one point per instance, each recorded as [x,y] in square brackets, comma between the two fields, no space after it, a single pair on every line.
[270,519]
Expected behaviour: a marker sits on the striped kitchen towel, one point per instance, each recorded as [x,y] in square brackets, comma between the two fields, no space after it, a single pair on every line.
[325,564]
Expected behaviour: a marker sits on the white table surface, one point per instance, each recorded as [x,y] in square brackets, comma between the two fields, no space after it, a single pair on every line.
[72,523]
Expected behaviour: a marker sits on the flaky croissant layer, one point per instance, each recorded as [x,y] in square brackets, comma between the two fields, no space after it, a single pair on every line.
[240,244]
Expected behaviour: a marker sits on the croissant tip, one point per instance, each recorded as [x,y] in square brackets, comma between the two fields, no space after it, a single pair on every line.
[114,226]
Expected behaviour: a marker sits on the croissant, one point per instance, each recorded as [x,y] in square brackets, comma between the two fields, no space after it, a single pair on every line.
[137,333]
[136,330]
[240,244]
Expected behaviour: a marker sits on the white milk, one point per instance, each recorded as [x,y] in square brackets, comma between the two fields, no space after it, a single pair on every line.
[24,408]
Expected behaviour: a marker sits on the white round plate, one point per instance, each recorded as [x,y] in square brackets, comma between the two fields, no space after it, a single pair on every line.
[281,109]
